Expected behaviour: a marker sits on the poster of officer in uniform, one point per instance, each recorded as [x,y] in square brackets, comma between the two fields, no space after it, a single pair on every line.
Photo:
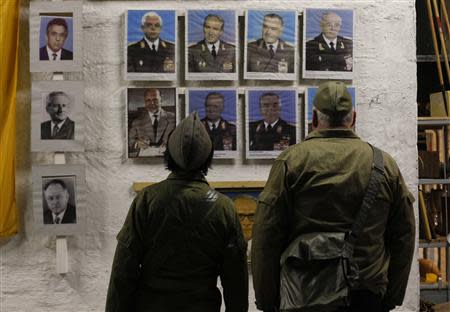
[150,51]
[271,121]
[270,45]
[310,94]
[328,44]
[217,108]
[211,45]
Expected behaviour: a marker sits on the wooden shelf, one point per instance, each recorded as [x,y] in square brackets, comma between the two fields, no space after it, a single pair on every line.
[433,181]
[433,121]
[435,243]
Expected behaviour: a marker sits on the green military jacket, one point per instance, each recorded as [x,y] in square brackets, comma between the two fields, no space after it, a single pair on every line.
[178,237]
[318,186]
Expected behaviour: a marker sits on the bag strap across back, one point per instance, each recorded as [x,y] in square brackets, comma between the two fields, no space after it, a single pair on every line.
[372,190]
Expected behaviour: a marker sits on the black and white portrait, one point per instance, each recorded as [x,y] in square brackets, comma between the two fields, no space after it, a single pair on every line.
[55,36]
[57,122]
[151,50]
[59,199]
[211,41]
[151,118]
[271,41]
[328,44]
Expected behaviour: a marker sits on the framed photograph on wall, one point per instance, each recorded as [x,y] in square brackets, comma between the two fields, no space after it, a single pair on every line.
[57,120]
[151,115]
[271,121]
[55,36]
[217,109]
[328,44]
[271,45]
[150,45]
[211,45]
[59,199]
[310,94]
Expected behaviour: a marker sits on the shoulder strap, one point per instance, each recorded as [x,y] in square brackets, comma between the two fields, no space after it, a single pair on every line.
[372,190]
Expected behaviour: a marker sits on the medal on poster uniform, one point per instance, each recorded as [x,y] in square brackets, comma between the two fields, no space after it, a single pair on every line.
[227,66]
[227,143]
[342,45]
[279,129]
[168,65]
[258,128]
[142,45]
[141,62]
[282,66]
[163,44]
[321,48]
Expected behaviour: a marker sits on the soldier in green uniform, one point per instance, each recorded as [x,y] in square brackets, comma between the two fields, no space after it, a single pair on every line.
[221,131]
[151,54]
[212,55]
[271,133]
[318,186]
[178,237]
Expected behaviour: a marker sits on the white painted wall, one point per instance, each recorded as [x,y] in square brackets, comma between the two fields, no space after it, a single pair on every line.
[385,79]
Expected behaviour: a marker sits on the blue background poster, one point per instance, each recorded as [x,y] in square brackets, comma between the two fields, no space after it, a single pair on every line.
[255,21]
[68,44]
[197,103]
[288,105]
[195,26]
[314,16]
[134,25]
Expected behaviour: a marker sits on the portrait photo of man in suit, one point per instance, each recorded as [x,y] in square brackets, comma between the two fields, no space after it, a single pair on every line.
[329,50]
[60,126]
[56,35]
[59,207]
[212,54]
[151,54]
[271,133]
[270,53]
[152,125]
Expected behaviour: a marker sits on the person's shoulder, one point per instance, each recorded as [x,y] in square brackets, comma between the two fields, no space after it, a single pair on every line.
[46,123]
[167,113]
[70,121]
[225,124]
[167,44]
[256,43]
[137,45]
[227,45]
[285,123]
[198,45]
[345,40]
[285,45]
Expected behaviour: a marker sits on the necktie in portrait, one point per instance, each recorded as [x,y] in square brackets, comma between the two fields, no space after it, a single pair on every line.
[55,131]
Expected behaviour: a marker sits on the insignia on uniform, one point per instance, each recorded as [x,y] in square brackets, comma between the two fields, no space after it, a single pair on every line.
[211,196]
[320,58]
[260,44]
[141,62]
[321,48]
[281,45]
[279,129]
[227,66]
[258,62]
[223,125]
[201,64]
[163,44]
[142,44]
[223,47]
[203,47]
[342,45]
[258,128]
[282,66]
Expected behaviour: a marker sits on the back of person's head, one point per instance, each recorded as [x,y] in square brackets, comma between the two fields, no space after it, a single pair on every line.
[189,148]
[333,104]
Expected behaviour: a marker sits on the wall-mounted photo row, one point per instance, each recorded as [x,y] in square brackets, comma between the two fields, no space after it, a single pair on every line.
[152,115]
[211,45]
[217,109]
[328,43]
[57,122]
[271,121]
[310,94]
[59,199]
[56,36]
[150,45]
[271,45]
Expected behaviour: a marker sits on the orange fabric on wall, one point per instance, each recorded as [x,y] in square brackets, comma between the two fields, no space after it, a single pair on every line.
[9,54]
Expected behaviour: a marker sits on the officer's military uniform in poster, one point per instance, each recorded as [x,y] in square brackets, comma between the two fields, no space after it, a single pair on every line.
[261,59]
[223,137]
[202,60]
[320,56]
[276,138]
[141,57]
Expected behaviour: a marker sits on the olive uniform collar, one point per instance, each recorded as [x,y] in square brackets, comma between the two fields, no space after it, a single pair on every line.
[332,133]
[199,177]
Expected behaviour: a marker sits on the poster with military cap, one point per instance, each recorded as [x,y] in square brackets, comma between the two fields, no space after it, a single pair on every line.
[271,121]
[211,45]
[328,44]
[152,115]
[271,45]
[310,94]
[55,36]
[150,45]
[59,199]
[57,121]
[217,109]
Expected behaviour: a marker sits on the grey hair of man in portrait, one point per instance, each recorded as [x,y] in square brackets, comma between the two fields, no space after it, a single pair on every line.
[57,105]
[151,14]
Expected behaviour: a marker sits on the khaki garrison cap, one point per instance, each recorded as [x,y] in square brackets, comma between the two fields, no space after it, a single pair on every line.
[333,98]
[189,144]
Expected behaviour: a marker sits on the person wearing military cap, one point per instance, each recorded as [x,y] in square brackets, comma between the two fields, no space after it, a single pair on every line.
[270,53]
[179,236]
[221,131]
[212,54]
[329,51]
[270,133]
[318,186]
[152,54]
